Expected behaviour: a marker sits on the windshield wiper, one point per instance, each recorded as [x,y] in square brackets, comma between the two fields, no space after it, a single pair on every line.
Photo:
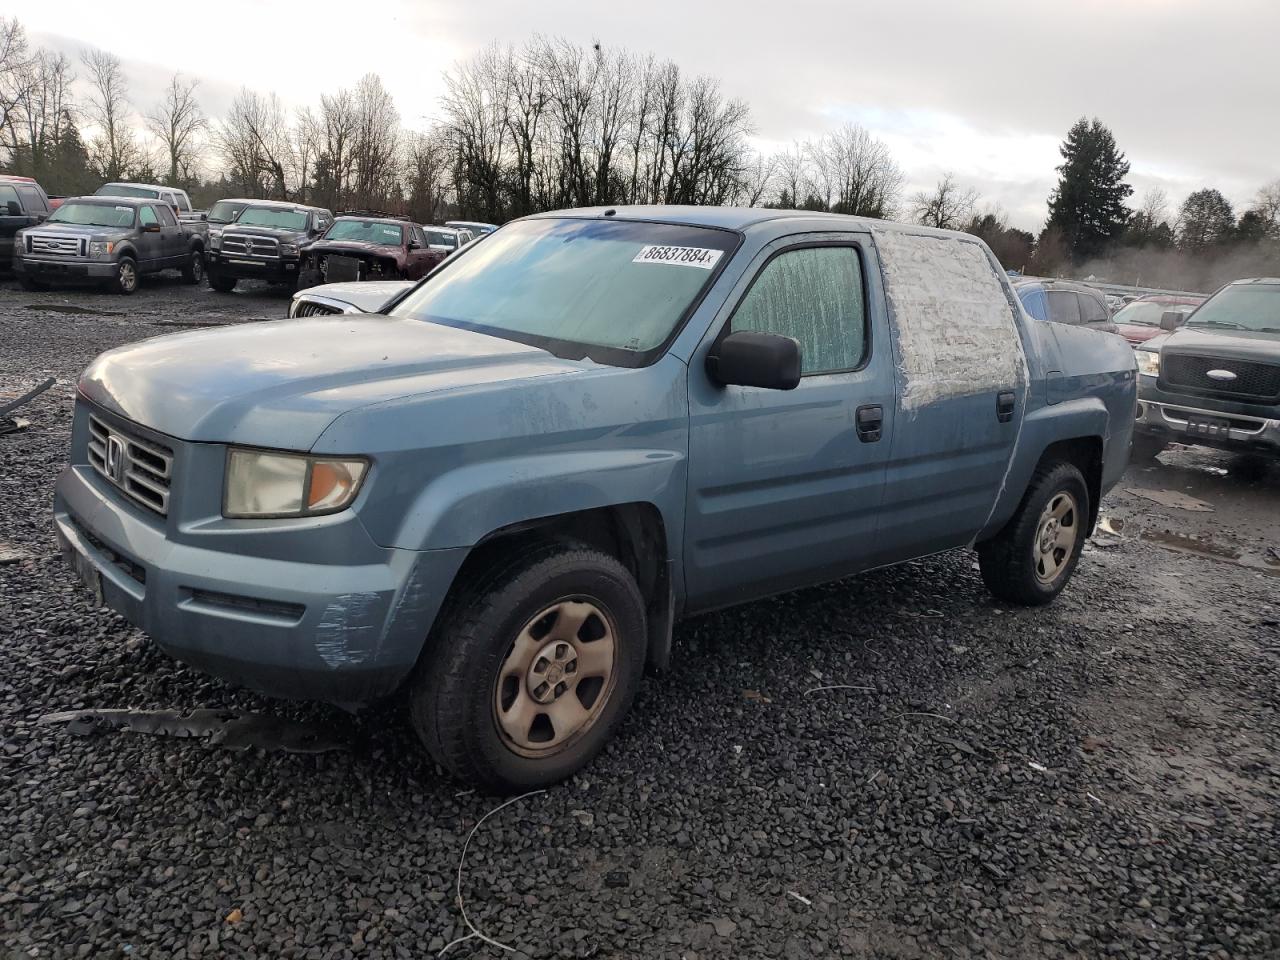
[1226,324]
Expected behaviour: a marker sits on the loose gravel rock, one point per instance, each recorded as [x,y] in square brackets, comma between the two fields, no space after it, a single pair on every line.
[1096,778]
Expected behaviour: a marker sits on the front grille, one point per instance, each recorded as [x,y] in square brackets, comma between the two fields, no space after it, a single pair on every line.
[53,245]
[244,245]
[1252,379]
[309,308]
[142,469]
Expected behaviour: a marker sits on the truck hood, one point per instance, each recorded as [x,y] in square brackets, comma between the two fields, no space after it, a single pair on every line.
[280,383]
[275,233]
[356,246]
[1211,342]
[76,230]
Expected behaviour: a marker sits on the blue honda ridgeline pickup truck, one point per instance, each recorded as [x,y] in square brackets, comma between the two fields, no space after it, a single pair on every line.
[503,489]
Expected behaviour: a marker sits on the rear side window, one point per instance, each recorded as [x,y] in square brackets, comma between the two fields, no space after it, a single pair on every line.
[147,216]
[1093,309]
[813,294]
[1064,306]
[167,217]
[7,196]
[32,200]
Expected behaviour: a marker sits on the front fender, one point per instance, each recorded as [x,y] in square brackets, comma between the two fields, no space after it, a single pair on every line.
[461,507]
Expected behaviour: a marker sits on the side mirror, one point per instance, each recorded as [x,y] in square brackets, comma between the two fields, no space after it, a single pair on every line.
[1171,320]
[204,217]
[151,228]
[414,245]
[756,360]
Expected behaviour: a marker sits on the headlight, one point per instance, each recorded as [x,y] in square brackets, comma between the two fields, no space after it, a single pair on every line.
[1148,363]
[265,484]
[288,249]
[215,240]
[100,249]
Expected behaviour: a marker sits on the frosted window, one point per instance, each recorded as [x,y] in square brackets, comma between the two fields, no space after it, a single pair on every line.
[815,296]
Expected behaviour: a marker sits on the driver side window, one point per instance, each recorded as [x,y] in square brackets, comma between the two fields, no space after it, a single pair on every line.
[147,216]
[813,294]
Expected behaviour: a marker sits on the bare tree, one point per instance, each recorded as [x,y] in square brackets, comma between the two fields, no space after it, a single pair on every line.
[948,207]
[376,143]
[1267,204]
[15,74]
[114,151]
[758,179]
[854,173]
[177,122]
[254,143]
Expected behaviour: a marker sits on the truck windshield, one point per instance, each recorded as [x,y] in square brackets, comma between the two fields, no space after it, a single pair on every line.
[614,291]
[366,231]
[1244,306]
[225,211]
[120,190]
[1147,313]
[271,217]
[93,215]
[437,238]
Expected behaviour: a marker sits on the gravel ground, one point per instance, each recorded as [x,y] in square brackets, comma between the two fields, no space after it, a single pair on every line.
[1097,778]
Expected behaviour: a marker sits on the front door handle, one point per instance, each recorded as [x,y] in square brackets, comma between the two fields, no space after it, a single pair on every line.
[870,421]
[1005,401]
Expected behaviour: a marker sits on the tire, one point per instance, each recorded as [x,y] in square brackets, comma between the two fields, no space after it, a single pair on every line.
[473,699]
[33,286]
[1145,448]
[220,283]
[1015,566]
[125,281]
[193,269]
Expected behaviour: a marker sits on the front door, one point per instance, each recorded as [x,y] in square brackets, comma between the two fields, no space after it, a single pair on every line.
[784,486]
[150,239]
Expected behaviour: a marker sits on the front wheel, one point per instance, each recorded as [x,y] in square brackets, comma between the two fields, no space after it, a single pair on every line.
[222,284]
[530,671]
[193,269]
[31,285]
[1030,561]
[126,278]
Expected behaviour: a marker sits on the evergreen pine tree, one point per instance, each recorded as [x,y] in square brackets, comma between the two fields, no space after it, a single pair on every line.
[1087,206]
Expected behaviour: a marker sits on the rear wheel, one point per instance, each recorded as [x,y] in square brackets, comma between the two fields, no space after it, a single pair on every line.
[221,284]
[1031,560]
[193,269]
[531,670]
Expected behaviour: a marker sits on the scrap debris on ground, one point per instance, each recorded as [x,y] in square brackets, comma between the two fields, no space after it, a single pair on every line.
[1104,782]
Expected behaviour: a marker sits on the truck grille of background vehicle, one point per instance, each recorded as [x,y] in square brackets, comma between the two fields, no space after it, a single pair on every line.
[242,245]
[45,245]
[144,471]
[1258,380]
[309,308]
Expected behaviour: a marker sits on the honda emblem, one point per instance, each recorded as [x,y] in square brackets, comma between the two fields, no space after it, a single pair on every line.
[115,460]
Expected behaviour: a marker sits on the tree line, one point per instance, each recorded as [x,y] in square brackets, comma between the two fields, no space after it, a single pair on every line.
[549,124]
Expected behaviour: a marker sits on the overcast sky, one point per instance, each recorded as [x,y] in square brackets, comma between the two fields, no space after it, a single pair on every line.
[985,88]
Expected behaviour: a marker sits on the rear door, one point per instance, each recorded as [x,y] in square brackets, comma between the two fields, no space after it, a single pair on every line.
[174,238]
[418,256]
[784,488]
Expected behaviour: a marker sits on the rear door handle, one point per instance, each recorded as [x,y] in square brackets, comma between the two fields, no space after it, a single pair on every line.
[870,422]
[1005,402]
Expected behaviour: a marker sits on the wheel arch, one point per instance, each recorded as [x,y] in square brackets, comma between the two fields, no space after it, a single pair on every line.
[634,533]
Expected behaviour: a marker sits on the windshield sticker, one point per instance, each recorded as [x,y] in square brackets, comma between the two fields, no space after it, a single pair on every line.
[700,257]
[125,209]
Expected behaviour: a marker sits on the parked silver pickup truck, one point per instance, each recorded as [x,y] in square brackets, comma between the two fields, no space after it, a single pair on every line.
[500,494]
[107,240]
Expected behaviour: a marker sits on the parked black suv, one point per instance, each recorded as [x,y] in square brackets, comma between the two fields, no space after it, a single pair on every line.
[23,203]
[1215,380]
[265,243]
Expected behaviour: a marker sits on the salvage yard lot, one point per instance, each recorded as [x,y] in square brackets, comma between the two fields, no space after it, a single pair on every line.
[892,766]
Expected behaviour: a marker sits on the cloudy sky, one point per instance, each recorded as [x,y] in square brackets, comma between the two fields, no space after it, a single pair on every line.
[984,88]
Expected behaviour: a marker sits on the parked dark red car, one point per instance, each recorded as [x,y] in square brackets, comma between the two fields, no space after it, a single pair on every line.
[370,248]
[1139,321]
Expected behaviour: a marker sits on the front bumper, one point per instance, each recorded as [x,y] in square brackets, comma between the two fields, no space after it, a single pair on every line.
[68,270]
[1173,417]
[245,268]
[301,627]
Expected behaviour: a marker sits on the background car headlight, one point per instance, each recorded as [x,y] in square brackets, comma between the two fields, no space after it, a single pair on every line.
[215,240]
[260,483]
[100,249]
[1148,363]
[288,249]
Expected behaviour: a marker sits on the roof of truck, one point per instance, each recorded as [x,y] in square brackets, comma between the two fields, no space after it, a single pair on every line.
[740,218]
